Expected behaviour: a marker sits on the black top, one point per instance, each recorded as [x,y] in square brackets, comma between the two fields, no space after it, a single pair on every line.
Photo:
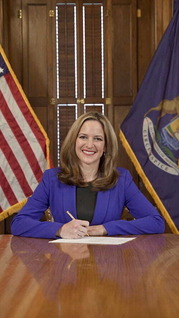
[86,202]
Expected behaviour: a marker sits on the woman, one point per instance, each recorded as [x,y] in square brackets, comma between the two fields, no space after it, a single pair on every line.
[89,185]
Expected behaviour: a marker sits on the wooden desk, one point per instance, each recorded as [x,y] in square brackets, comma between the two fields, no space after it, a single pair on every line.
[139,279]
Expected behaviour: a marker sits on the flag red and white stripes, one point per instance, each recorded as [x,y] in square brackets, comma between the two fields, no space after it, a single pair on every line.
[24,153]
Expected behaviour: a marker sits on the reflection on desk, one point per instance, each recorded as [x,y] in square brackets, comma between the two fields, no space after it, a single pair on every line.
[135,280]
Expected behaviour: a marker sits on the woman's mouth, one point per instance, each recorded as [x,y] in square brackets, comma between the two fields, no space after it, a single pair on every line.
[88,152]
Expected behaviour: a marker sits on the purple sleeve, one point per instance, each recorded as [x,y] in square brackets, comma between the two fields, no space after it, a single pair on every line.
[147,219]
[27,221]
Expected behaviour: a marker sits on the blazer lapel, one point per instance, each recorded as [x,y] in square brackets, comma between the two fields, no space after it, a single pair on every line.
[69,201]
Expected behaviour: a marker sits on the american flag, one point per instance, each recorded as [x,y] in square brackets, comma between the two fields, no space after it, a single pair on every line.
[24,151]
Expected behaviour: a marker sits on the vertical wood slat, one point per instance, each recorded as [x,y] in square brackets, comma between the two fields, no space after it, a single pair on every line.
[37,60]
[12,36]
[124,51]
[163,14]
[66,115]
[1,22]
[93,50]
[146,36]
[66,57]
[37,50]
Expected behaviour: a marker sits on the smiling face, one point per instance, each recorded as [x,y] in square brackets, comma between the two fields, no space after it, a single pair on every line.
[90,144]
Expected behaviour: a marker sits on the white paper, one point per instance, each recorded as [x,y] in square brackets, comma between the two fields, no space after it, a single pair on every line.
[104,240]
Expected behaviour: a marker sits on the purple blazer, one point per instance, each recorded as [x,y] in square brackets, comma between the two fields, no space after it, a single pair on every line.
[59,197]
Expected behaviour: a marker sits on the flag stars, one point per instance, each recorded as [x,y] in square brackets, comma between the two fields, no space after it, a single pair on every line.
[1,70]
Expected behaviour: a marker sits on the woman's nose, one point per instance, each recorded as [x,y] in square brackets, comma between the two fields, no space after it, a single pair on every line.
[89,142]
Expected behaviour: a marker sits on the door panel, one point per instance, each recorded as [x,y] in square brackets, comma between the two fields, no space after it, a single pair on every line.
[124,67]
[36,55]
[79,62]
[124,51]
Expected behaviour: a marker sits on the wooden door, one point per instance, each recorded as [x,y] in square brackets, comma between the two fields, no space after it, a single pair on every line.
[79,62]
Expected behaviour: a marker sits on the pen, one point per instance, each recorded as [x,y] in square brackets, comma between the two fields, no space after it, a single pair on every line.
[72,217]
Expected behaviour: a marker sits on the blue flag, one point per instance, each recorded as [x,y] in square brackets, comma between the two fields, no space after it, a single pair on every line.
[150,132]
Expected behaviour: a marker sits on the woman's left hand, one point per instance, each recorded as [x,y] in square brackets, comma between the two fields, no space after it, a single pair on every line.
[96,230]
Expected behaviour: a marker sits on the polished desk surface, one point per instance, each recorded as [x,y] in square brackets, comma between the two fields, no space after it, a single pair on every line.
[138,279]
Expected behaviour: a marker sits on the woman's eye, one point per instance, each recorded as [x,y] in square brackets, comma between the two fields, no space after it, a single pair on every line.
[82,137]
[98,139]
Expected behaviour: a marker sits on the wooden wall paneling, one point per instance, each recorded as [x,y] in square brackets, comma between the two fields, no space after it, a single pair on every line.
[34,44]
[93,38]
[124,67]
[51,60]
[66,53]
[37,61]
[1,22]
[35,69]
[145,48]
[145,36]
[13,35]
[163,15]
[108,36]
[124,51]
[167,12]
[4,24]
[155,17]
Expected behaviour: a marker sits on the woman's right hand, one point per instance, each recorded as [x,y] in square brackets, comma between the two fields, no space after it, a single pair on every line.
[73,229]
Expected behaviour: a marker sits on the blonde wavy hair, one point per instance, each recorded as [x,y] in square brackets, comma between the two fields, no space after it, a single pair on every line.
[70,172]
